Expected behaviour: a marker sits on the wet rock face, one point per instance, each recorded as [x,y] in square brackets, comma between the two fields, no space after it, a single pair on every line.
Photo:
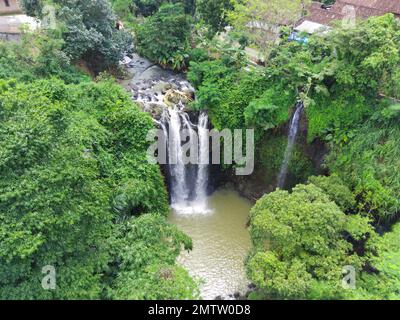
[154,88]
[172,97]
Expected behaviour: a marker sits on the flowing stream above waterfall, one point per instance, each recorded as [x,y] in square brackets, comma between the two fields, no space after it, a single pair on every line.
[292,135]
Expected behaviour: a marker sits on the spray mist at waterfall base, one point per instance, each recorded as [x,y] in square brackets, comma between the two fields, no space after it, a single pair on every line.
[192,208]
[188,184]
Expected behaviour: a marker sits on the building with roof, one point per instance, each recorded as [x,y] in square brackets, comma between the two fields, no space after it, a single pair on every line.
[327,15]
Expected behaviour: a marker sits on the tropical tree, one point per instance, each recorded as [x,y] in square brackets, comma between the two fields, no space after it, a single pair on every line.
[147,247]
[164,37]
[214,13]
[384,282]
[74,183]
[299,249]
[88,29]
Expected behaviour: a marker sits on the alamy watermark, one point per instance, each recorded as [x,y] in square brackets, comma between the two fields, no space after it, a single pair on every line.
[193,147]
[49,281]
[349,278]
[349,16]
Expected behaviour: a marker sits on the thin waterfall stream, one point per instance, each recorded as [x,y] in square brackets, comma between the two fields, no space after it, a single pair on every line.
[203,169]
[292,135]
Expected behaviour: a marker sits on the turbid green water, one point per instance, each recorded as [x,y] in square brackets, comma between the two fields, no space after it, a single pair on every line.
[221,243]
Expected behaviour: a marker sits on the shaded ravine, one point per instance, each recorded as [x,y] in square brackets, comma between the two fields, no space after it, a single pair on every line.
[216,223]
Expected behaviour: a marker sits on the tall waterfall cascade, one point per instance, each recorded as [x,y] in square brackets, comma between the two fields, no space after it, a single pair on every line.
[165,95]
[292,135]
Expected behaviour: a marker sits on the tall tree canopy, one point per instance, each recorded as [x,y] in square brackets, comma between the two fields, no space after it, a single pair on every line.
[74,185]
[88,29]
[299,249]
[164,37]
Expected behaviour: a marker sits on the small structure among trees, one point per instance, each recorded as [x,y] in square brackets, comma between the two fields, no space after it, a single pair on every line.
[345,9]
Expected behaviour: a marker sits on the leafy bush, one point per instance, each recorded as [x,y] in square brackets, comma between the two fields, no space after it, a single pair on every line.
[37,55]
[298,245]
[146,7]
[214,13]
[32,7]
[164,37]
[384,284]
[367,163]
[337,191]
[225,90]
[148,247]
[270,110]
[334,117]
[88,29]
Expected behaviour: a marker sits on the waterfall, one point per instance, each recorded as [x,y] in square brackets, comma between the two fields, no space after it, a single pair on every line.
[164,94]
[179,189]
[202,171]
[292,135]
[188,191]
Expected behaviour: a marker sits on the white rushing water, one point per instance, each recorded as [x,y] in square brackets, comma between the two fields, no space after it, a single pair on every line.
[188,185]
[202,173]
[292,135]
[179,191]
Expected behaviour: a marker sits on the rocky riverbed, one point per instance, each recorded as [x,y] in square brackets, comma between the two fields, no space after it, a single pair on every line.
[155,88]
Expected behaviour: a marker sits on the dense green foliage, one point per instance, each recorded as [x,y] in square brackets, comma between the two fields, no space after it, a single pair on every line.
[77,191]
[88,29]
[150,7]
[37,56]
[341,77]
[340,85]
[32,7]
[225,90]
[384,284]
[267,112]
[299,251]
[337,191]
[167,30]
[146,7]
[147,248]
[164,37]
[214,13]
[368,163]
